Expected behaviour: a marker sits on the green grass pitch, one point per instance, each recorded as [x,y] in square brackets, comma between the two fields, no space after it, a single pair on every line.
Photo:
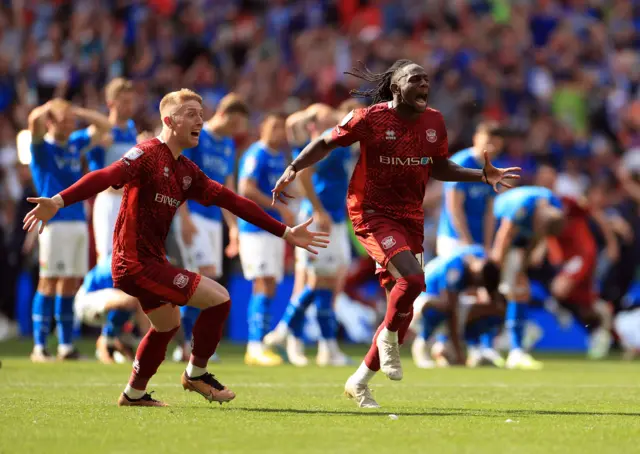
[572,406]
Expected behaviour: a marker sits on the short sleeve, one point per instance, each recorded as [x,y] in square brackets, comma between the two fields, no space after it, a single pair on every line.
[352,128]
[80,139]
[437,136]
[250,167]
[203,189]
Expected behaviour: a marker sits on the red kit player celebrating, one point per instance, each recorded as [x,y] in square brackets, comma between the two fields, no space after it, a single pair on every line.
[157,179]
[402,144]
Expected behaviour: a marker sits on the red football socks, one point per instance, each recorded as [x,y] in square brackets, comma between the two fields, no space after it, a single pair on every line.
[401,299]
[150,354]
[372,359]
[207,333]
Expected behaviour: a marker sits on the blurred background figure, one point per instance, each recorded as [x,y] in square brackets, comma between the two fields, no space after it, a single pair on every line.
[564,75]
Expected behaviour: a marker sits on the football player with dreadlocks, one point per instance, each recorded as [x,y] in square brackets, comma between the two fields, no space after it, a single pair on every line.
[402,143]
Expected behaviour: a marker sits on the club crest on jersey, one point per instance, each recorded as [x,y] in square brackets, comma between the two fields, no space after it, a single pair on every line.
[390,135]
[388,242]
[133,154]
[431,135]
[453,276]
[180,280]
[186,183]
[166,171]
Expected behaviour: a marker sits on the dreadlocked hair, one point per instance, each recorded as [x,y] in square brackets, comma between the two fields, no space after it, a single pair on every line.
[382,91]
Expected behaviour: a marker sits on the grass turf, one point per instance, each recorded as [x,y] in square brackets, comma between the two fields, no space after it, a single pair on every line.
[572,406]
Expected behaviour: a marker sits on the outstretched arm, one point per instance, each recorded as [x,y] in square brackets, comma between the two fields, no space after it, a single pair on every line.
[87,186]
[445,170]
[210,192]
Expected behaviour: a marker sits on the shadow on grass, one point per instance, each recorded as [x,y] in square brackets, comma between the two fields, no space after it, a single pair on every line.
[467,412]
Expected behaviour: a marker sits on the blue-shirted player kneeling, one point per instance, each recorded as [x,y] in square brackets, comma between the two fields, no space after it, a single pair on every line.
[446,279]
[97,303]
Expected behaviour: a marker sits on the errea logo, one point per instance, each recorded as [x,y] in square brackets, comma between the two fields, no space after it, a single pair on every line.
[390,135]
[405,161]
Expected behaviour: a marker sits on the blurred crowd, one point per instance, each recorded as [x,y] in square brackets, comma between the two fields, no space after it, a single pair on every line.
[566,73]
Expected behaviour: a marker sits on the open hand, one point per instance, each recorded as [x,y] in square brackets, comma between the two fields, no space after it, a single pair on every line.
[45,209]
[301,237]
[278,191]
[495,176]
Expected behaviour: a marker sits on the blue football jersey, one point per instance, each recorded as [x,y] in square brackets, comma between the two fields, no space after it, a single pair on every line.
[55,167]
[123,140]
[99,277]
[216,158]
[264,166]
[448,273]
[519,204]
[330,182]
[476,198]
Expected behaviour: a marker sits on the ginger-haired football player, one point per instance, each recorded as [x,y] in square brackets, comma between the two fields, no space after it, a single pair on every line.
[157,179]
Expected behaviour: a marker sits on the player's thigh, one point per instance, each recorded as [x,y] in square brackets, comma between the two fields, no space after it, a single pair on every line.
[164,318]
[261,256]
[404,264]
[209,293]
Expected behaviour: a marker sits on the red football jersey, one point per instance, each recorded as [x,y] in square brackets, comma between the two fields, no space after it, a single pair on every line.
[156,184]
[395,161]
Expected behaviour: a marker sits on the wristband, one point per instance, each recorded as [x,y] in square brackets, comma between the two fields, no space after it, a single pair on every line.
[293,167]
[286,232]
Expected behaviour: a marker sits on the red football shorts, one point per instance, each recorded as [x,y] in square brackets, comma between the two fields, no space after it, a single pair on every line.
[158,284]
[383,238]
[579,269]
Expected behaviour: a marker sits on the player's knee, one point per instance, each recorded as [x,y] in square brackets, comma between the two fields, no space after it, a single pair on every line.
[414,284]
[47,286]
[68,286]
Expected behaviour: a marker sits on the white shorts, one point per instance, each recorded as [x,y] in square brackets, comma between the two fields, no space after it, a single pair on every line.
[89,307]
[207,245]
[64,249]
[627,325]
[262,255]
[446,246]
[329,261]
[105,214]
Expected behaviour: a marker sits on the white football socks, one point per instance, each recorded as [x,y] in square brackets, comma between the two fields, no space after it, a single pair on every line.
[363,374]
[389,336]
[255,348]
[195,371]
[133,393]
